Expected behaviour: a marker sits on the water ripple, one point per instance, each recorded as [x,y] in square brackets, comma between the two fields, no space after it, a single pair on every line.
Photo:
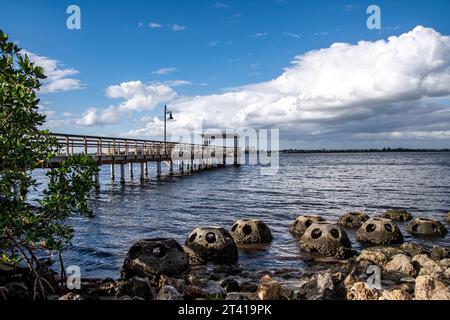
[325,184]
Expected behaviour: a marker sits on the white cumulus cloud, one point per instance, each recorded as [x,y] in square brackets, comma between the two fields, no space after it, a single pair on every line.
[139,97]
[345,90]
[94,116]
[397,89]
[58,78]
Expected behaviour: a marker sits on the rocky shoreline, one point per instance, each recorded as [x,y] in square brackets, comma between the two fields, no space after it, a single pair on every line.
[207,268]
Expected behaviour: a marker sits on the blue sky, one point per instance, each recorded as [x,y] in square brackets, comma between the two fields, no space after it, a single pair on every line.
[211,46]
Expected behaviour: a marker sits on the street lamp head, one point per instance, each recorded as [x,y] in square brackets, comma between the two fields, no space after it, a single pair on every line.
[170,116]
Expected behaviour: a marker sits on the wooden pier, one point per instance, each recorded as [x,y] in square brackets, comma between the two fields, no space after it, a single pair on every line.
[123,151]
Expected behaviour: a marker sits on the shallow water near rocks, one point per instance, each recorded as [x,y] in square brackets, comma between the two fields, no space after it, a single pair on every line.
[323,184]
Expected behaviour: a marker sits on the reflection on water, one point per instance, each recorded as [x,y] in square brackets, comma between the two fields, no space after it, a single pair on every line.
[325,184]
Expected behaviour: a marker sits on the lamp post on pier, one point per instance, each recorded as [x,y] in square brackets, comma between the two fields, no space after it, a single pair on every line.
[166,112]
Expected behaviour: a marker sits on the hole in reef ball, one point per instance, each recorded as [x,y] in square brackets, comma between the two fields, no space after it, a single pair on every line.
[415,227]
[234,227]
[135,251]
[349,220]
[316,233]
[371,227]
[210,237]
[388,227]
[247,229]
[192,237]
[308,223]
[334,233]
[159,251]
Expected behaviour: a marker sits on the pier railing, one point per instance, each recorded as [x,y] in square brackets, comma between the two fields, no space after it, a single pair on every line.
[106,149]
[121,151]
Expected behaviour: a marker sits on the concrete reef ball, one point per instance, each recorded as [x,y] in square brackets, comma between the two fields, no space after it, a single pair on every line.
[154,257]
[400,215]
[247,231]
[326,239]
[213,244]
[447,218]
[302,223]
[379,231]
[353,220]
[426,227]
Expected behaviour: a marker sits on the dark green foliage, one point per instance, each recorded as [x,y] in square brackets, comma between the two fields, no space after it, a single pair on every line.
[25,225]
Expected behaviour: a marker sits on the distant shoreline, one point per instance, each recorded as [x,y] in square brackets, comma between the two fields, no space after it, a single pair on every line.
[384,150]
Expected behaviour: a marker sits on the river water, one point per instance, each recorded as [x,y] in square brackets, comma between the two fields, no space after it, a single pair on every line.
[323,184]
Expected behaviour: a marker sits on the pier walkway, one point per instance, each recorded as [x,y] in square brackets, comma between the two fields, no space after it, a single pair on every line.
[114,151]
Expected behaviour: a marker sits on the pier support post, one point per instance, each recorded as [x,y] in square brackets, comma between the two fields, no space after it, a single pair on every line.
[192,158]
[158,169]
[130,166]
[97,181]
[171,168]
[236,151]
[122,173]
[146,169]
[182,168]
[202,161]
[224,150]
[142,177]
[112,172]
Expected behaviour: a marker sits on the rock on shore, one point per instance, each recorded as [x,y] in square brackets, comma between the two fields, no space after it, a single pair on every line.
[206,268]
[378,231]
[399,215]
[430,288]
[302,223]
[248,231]
[427,227]
[353,220]
[213,244]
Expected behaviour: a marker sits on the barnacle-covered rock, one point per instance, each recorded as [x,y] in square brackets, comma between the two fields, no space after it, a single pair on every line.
[213,244]
[326,239]
[302,223]
[379,231]
[353,220]
[154,257]
[247,231]
[400,215]
[426,227]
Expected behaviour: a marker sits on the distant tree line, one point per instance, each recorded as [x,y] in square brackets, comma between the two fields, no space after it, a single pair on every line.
[362,150]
